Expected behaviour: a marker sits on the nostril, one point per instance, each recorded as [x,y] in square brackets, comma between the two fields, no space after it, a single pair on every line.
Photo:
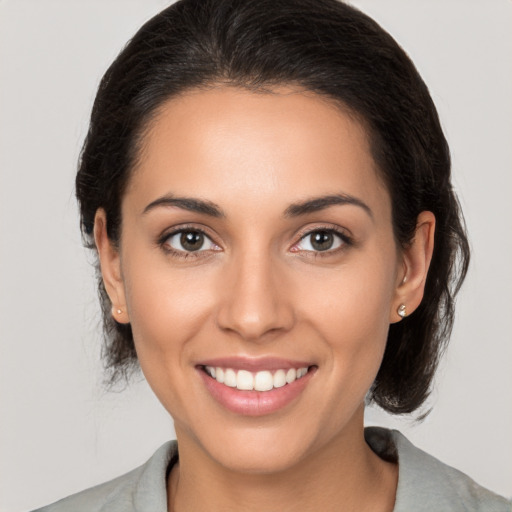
[253,303]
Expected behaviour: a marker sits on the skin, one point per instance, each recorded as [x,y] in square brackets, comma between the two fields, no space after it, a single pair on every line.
[260,289]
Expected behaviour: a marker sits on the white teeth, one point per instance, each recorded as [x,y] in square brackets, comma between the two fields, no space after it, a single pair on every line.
[301,372]
[291,375]
[230,378]
[259,381]
[244,380]
[263,381]
[279,379]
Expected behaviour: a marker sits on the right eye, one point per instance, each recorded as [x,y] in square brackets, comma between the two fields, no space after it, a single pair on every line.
[189,240]
[321,240]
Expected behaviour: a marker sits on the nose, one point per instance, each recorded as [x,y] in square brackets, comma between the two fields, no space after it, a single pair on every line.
[255,301]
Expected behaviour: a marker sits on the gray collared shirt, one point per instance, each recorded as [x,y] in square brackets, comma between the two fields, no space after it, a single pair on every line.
[424,483]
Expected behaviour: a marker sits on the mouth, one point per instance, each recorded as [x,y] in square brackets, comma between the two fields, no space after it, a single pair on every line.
[255,389]
[264,380]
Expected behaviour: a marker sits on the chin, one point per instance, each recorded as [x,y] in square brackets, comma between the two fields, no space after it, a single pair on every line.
[260,449]
[255,459]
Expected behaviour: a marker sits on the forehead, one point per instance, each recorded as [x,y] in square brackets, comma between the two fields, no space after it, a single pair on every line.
[231,144]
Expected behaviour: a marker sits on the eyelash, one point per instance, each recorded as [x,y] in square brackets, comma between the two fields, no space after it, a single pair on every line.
[162,242]
[346,241]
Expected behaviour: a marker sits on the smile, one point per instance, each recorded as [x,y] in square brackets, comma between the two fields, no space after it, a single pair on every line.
[245,380]
[255,387]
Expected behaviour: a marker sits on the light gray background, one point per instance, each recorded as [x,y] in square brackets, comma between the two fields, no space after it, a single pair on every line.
[59,431]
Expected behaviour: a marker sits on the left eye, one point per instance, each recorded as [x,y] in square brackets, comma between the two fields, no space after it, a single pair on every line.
[190,241]
[321,240]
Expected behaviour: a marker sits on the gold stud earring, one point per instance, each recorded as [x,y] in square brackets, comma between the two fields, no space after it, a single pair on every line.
[402,312]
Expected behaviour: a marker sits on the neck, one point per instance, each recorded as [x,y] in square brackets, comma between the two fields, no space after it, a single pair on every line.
[344,474]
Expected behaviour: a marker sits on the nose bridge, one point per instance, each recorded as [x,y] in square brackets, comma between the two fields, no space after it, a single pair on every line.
[254,300]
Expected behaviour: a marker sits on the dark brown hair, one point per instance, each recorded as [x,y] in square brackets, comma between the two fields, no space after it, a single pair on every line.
[324,46]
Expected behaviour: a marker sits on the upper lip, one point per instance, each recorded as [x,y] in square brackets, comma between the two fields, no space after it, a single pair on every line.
[255,364]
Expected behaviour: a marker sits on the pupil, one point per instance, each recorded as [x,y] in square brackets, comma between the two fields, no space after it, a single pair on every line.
[192,240]
[322,240]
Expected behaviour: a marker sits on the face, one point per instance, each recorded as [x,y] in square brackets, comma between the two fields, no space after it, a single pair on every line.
[258,269]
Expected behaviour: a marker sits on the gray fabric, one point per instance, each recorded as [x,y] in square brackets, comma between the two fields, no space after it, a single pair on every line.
[424,483]
[140,490]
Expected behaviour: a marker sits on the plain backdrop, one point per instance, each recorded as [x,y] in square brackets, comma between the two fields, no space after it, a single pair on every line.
[60,431]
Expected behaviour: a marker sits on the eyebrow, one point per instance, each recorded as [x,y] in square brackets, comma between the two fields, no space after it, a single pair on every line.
[317,204]
[186,203]
[312,205]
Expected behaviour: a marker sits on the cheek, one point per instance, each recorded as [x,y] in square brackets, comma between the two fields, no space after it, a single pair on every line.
[167,307]
[355,298]
[356,334]
[351,311]
[167,310]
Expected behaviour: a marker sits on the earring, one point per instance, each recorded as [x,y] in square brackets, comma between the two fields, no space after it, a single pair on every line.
[119,311]
[401,311]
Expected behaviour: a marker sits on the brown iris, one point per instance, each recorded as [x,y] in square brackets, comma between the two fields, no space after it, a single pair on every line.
[192,240]
[322,240]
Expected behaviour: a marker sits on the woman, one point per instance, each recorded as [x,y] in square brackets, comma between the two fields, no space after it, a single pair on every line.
[268,190]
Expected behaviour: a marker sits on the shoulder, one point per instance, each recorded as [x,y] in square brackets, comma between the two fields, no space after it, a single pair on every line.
[143,488]
[426,484]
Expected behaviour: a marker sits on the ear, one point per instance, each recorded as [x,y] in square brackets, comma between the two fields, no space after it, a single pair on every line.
[416,261]
[110,264]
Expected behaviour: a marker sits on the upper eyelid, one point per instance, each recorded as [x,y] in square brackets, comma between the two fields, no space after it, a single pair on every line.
[179,229]
[332,228]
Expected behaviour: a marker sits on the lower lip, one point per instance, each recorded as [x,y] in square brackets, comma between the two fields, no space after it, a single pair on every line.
[255,403]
